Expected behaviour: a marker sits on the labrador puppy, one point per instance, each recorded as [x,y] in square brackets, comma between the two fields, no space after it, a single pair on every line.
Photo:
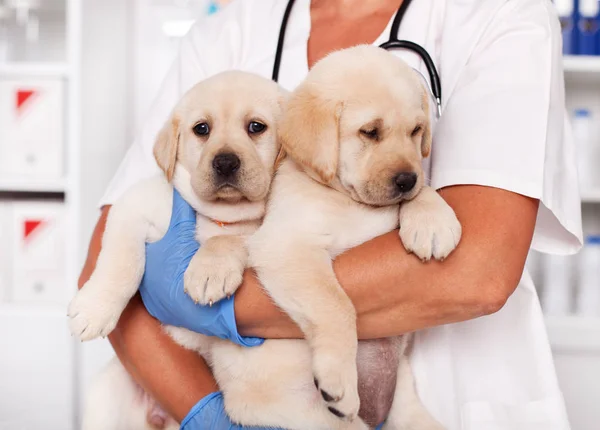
[218,151]
[355,133]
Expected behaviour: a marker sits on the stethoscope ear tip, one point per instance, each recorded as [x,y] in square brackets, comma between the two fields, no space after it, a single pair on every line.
[438,102]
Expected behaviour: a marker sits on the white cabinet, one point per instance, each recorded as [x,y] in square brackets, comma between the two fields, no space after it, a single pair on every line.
[36,369]
[39,57]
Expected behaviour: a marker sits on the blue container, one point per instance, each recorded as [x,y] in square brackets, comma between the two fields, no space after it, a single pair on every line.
[213,7]
[568,15]
[588,27]
[592,240]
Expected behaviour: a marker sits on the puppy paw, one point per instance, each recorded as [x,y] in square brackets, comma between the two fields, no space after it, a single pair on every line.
[429,229]
[92,314]
[212,276]
[337,383]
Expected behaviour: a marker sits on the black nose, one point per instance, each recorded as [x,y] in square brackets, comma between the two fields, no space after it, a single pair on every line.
[405,181]
[226,164]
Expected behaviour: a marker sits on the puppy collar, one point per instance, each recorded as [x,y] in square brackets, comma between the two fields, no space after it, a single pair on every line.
[221,223]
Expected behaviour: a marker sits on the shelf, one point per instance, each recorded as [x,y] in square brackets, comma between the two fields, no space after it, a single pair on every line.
[573,333]
[590,196]
[39,70]
[582,64]
[18,185]
[582,70]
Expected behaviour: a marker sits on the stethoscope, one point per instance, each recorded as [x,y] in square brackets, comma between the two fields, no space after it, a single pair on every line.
[392,43]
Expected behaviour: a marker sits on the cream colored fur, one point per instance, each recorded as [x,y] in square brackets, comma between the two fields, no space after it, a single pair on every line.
[316,211]
[359,119]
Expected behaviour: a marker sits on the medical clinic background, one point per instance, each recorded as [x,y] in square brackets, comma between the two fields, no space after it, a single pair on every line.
[76,79]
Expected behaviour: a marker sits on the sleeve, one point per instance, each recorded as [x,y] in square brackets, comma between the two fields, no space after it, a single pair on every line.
[505,123]
[211,46]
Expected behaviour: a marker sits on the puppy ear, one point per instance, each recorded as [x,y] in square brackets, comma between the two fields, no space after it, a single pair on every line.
[280,158]
[310,131]
[165,147]
[427,138]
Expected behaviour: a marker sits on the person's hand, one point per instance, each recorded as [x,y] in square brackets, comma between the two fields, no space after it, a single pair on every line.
[209,414]
[162,290]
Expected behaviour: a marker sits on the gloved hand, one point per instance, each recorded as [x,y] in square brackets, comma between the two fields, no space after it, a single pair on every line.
[209,414]
[162,285]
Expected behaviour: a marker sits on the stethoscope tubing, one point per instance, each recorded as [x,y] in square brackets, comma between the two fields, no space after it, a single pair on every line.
[392,43]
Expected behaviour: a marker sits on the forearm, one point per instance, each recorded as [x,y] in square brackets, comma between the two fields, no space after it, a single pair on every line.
[176,377]
[394,292]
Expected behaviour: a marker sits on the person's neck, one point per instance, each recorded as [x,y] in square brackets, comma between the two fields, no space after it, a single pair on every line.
[353,8]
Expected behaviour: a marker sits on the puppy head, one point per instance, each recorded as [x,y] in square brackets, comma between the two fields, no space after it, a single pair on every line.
[361,119]
[223,132]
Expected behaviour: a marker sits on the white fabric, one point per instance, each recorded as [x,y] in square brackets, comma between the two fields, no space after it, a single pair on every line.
[504,125]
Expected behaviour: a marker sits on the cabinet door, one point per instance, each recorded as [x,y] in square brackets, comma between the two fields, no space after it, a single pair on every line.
[36,369]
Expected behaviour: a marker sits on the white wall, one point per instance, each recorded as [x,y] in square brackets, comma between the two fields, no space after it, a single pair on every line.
[106,128]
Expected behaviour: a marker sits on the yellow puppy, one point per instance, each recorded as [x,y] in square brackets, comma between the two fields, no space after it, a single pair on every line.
[355,132]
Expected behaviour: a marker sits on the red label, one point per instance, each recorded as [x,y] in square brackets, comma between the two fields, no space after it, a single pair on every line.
[30,226]
[22,97]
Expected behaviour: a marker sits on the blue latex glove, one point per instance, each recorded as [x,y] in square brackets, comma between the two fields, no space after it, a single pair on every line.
[162,285]
[209,414]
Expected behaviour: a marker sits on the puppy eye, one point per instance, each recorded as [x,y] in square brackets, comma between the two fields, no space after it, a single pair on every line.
[256,127]
[370,134]
[416,131]
[201,129]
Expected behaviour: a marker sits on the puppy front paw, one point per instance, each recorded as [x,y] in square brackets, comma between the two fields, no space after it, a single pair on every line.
[92,314]
[336,380]
[429,228]
[212,276]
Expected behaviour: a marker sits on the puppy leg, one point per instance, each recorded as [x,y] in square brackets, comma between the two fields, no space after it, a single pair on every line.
[143,213]
[300,279]
[272,386]
[115,402]
[408,412]
[96,308]
[216,270]
[428,226]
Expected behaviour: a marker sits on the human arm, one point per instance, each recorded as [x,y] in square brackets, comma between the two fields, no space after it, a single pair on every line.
[394,292]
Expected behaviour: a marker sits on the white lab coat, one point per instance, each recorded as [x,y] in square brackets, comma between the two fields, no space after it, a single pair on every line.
[504,125]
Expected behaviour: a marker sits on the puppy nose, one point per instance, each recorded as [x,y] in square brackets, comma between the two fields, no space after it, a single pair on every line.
[405,181]
[226,164]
